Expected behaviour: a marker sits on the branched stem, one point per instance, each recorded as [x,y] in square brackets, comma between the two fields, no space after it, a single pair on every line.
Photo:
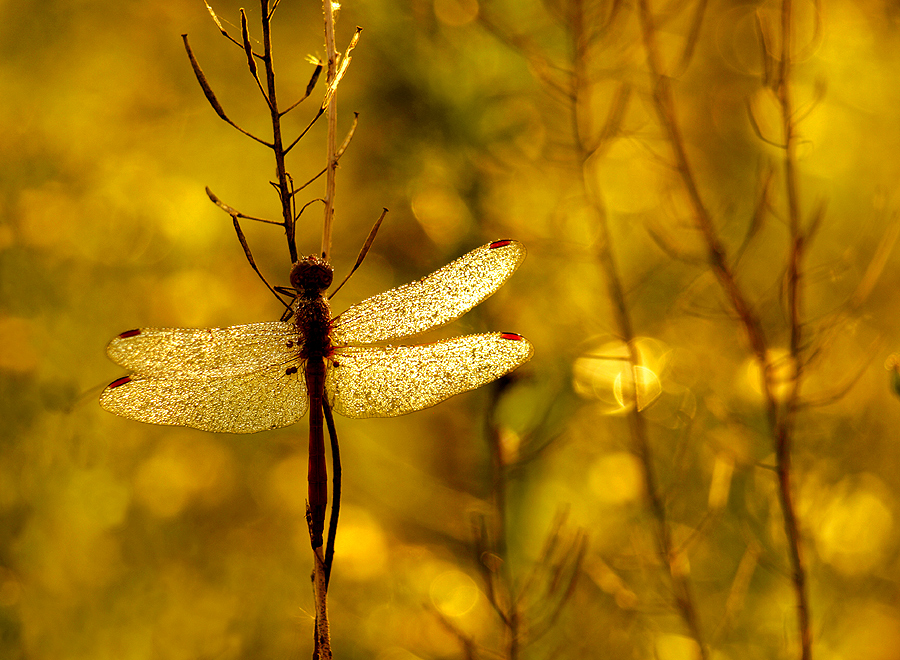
[781,416]
[284,190]
[284,185]
[785,429]
[668,554]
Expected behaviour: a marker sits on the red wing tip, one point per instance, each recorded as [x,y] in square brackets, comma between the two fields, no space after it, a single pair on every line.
[129,333]
[118,382]
[499,244]
[512,336]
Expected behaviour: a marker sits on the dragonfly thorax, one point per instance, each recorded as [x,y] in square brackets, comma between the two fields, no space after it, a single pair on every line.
[311,275]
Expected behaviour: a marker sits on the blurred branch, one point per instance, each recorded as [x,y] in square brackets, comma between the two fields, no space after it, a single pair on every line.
[640,441]
[876,264]
[540,64]
[468,644]
[757,129]
[740,586]
[841,390]
[693,36]
[780,411]
[760,211]
[785,423]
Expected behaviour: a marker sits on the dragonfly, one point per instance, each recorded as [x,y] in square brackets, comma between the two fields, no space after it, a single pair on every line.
[261,376]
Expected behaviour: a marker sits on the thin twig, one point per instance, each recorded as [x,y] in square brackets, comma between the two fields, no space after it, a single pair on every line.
[780,420]
[251,60]
[362,253]
[305,130]
[235,215]
[210,95]
[284,188]
[470,648]
[330,104]
[309,87]
[223,31]
[784,431]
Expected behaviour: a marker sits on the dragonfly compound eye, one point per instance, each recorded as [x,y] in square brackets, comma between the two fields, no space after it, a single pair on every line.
[311,275]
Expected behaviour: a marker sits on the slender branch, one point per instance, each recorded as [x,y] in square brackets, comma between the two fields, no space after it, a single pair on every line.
[331,114]
[235,215]
[511,615]
[362,253]
[322,650]
[640,440]
[309,87]
[251,61]
[284,191]
[210,95]
[784,434]
[224,31]
[346,143]
[305,130]
[780,419]
[322,570]
[323,558]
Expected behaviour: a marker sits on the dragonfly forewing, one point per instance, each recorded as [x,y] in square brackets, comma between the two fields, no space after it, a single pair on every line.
[394,380]
[247,403]
[436,299]
[208,352]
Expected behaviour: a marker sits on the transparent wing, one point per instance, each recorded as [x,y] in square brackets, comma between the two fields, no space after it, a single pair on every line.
[436,299]
[365,381]
[241,379]
[210,352]
[246,403]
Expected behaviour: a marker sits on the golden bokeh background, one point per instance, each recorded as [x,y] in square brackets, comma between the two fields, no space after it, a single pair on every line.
[124,541]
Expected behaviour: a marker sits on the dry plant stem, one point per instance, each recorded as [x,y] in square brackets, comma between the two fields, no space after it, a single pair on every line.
[470,648]
[284,185]
[284,190]
[665,108]
[784,431]
[580,115]
[509,613]
[322,570]
[331,116]
[322,650]
[781,419]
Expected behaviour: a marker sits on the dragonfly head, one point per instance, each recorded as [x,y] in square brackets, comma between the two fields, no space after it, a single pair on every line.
[311,275]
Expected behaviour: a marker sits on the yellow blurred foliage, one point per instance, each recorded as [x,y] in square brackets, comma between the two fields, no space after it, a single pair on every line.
[855,526]
[539,121]
[181,471]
